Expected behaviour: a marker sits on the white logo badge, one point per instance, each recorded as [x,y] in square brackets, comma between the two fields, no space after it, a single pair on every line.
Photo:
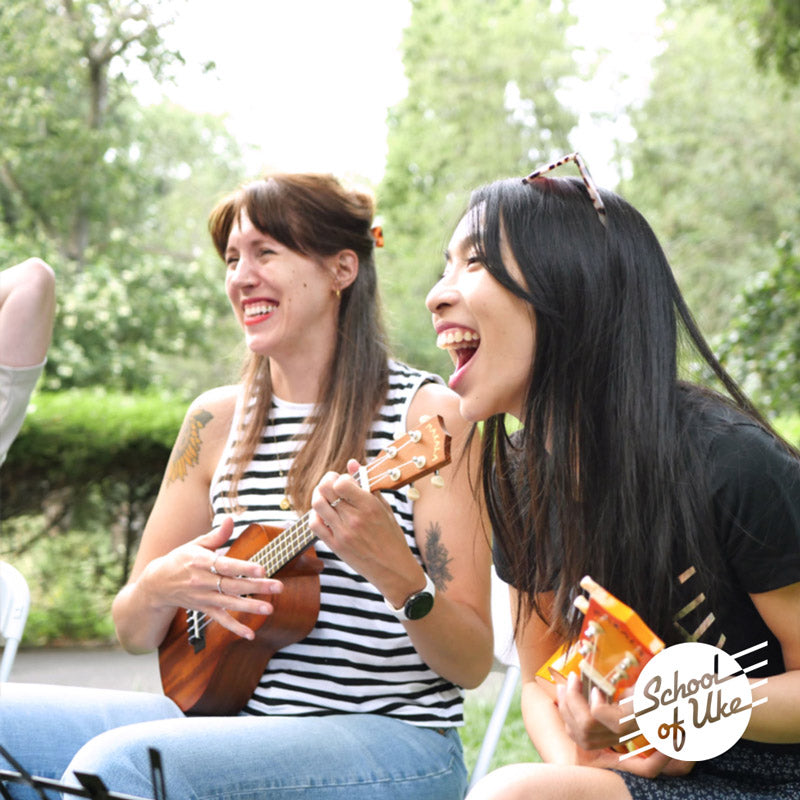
[693,701]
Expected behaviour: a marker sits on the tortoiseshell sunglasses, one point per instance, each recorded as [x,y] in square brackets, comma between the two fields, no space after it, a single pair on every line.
[591,186]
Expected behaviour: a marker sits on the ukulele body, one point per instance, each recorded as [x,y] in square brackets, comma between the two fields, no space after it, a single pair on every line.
[218,675]
[205,668]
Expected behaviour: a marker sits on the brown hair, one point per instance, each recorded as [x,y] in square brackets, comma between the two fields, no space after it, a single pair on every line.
[316,216]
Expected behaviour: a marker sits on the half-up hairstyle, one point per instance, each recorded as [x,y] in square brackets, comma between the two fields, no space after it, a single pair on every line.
[314,215]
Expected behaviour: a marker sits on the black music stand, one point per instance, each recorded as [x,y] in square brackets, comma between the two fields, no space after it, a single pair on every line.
[91,785]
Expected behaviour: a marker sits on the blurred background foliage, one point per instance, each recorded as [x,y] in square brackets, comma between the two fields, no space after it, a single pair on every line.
[115,192]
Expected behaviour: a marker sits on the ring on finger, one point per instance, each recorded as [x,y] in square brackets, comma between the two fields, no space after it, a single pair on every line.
[336,502]
[214,565]
[219,585]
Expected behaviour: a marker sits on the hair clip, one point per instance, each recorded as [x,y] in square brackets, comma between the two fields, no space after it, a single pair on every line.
[377,235]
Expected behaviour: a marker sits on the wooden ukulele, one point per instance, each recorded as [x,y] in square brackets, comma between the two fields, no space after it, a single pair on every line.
[613,647]
[204,667]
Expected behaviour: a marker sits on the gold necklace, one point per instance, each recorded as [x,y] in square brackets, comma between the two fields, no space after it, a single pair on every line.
[285,503]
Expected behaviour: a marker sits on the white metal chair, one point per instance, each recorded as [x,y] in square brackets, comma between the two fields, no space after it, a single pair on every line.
[505,652]
[15,601]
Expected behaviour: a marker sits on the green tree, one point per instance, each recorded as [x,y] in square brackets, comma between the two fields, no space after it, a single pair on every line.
[67,109]
[482,103]
[114,193]
[762,347]
[774,28]
[716,161]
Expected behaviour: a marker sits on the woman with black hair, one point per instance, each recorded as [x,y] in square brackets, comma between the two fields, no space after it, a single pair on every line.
[559,308]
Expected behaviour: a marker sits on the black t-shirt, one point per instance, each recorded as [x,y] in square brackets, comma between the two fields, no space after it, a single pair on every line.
[755,488]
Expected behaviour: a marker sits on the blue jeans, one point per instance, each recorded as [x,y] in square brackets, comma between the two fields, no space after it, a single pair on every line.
[53,730]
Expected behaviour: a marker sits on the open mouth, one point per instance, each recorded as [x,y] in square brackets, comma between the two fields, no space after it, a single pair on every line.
[258,310]
[461,343]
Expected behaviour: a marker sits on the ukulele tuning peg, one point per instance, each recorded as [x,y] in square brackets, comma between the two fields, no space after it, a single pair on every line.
[412,493]
[437,480]
[581,602]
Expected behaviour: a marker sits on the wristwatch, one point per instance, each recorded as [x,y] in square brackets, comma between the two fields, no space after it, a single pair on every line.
[418,605]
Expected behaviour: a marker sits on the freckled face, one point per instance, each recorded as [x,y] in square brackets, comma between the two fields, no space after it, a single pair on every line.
[283,300]
[488,331]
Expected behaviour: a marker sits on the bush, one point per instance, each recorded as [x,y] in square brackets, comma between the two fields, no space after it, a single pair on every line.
[75,492]
[78,439]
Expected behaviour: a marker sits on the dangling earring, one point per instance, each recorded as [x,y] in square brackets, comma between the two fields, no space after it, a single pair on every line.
[338,293]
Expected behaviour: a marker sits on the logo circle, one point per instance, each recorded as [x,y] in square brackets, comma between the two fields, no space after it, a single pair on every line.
[692,701]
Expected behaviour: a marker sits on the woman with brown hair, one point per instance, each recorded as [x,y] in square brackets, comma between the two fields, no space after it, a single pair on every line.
[367,702]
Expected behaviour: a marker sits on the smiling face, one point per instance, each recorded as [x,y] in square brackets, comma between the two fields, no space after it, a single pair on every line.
[284,301]
[488,331]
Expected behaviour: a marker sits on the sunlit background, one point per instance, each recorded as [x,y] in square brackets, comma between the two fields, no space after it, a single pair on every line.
[113,149]
[305,85]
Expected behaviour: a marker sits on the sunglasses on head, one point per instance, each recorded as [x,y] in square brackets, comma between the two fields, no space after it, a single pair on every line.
[591,186]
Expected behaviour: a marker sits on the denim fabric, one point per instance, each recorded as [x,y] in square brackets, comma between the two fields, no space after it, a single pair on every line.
[53,730]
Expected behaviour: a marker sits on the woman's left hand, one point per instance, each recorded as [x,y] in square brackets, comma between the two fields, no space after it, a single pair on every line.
[591,725]
[596,726]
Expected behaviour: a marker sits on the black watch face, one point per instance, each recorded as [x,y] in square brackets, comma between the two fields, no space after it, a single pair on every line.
[419,605]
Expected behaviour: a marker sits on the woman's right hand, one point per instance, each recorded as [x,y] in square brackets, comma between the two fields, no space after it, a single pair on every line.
[195,576]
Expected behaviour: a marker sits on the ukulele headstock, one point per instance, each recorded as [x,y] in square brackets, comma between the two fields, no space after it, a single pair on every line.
[420,451]
[613,647]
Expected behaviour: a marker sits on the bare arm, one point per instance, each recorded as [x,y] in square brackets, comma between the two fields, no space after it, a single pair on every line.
[173,565]
[455,638]
[535,644]
[27,311]
[778,720]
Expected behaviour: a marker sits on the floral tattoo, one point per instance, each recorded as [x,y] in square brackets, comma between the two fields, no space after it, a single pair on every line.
[436,557]
[186,452]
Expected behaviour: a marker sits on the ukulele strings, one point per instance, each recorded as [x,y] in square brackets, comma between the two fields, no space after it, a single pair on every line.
[284,547]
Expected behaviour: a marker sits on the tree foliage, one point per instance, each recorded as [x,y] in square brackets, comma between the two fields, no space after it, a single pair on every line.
[71,113]
[774,28]
[482,103]
[762,347]
[716,161]
[113,192]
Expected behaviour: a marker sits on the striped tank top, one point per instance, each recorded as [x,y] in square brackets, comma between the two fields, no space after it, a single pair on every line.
[358,659]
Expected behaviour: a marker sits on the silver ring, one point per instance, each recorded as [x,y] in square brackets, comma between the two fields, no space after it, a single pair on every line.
[214,565]
[336,502]
[219,585]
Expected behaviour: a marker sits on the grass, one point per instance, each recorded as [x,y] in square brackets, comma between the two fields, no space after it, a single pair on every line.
[514,745]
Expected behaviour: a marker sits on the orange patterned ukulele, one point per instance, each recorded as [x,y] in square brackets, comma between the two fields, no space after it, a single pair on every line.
[613,647]
[204,667]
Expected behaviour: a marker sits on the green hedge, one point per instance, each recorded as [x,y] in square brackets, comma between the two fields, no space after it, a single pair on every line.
[75,493]
[80,438]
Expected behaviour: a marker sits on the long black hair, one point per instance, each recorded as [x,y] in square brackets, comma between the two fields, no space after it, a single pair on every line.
[605,477]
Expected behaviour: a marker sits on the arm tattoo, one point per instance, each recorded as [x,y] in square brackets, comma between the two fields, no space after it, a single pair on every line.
[186,452]
[436,557]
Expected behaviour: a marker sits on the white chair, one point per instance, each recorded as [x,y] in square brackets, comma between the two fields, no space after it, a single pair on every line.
[15,600]
[505,652]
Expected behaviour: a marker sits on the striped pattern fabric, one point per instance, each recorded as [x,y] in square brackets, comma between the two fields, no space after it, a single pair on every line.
[358,658]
